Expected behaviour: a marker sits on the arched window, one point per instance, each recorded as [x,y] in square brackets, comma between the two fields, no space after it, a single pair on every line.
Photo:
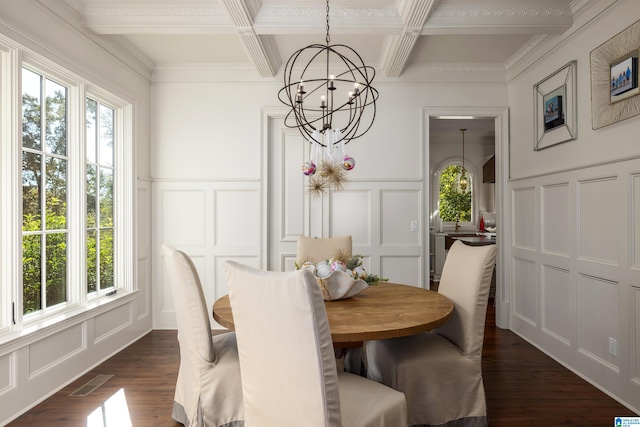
[455,194]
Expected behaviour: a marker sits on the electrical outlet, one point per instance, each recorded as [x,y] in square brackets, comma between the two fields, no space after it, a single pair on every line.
[414,225]
[612,346]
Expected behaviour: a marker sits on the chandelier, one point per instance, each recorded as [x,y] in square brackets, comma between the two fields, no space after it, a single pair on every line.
[328,88]
[463,182]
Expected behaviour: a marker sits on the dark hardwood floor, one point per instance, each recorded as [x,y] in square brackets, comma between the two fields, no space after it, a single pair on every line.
[523,387]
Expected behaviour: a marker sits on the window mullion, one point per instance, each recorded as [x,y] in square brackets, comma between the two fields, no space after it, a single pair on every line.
[76,204]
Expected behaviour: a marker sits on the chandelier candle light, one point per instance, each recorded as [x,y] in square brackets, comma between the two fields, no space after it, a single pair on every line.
[328,88]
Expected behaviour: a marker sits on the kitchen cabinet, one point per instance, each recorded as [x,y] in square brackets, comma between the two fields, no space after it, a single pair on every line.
[489,171]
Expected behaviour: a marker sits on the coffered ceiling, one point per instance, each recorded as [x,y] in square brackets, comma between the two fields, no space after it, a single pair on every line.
[391,35]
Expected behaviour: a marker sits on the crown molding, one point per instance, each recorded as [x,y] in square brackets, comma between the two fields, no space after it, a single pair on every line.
[463,68]
[524,50]
[466,11]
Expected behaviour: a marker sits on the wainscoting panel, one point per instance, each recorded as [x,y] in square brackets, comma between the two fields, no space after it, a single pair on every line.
[287,176]
[351,215]
[111,322]
[578,274]
[209,221]
[143,270]
[399,209]
[183,217]
[558,308]
[594,330]
[598,238]
[143,273]
[236,222]
[525,290]
[556,220]
[635,335]
[406,270]
[47,353]
[6,374]
[634,236]
[524,218]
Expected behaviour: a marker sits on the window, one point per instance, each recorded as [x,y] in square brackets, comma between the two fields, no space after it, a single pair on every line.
[100,172]
[44,192]
[67,191]
[454,197]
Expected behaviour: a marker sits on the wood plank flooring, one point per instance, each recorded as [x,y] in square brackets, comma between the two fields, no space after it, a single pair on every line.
[524,387]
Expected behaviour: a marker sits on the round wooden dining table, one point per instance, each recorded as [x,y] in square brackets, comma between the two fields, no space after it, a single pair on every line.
[385,310]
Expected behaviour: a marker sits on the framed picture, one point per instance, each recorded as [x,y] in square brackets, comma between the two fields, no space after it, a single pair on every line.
[555,108]
[624,77]
[614,78]
[553,114]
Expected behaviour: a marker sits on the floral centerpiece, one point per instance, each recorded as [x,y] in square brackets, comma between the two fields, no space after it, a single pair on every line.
[339,278]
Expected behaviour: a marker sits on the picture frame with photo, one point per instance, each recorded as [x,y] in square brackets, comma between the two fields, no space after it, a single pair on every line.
[555,108]
[614,91]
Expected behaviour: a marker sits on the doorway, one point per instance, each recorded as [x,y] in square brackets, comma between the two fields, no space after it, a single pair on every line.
[440,132]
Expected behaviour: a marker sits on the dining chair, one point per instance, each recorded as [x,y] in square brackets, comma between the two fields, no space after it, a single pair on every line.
[318,249]
[208,389]
[289,375]
[440,371]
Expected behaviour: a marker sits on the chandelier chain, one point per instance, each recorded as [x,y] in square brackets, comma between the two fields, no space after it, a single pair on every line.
[328,39]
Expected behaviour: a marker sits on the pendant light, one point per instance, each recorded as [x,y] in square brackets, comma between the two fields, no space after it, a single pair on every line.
[328,90]
[463,182]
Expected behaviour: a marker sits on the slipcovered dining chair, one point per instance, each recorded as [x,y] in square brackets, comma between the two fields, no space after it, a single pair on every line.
[208,389]
[289,375]
[440,371]
[316,249]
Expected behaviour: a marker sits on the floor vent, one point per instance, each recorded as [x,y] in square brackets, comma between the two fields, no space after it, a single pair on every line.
[91,385]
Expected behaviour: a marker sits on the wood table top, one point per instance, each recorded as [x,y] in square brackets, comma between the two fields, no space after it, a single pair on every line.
[385,310]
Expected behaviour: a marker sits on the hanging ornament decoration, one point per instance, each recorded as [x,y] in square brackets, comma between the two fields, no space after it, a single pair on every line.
[309,168]
[328,88]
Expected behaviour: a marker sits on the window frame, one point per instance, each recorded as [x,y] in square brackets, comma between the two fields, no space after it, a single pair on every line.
[13,57]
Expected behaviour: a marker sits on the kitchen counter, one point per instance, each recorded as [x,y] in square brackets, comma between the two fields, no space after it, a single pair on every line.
[475,240]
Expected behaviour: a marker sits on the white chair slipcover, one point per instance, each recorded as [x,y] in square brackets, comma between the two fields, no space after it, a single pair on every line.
[440,372]
[316,250]
[288,369]
[208,389]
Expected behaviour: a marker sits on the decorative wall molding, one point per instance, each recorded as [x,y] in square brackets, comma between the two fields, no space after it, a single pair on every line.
[320,12]
[145,11]
[204,67]
[465,11]
[466,68]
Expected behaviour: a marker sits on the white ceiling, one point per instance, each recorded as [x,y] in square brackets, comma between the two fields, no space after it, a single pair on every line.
[394,36]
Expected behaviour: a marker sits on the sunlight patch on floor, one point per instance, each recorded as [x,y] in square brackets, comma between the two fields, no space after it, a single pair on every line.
[114,412]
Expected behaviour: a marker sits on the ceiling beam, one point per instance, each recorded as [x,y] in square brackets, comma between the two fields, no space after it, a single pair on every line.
[262,49]
[397,48]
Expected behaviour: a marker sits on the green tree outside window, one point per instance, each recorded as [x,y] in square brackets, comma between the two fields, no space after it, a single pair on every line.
[455,203]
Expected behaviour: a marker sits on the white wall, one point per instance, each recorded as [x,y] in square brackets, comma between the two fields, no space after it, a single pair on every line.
[40,362]
[575,222]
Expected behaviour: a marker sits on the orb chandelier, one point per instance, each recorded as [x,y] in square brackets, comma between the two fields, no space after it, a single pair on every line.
[328,88]
[463,182]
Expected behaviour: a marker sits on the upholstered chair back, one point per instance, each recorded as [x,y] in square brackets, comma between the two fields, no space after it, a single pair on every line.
[466,279]
[192,316]
[208,389]
[315,249]
[274,311]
